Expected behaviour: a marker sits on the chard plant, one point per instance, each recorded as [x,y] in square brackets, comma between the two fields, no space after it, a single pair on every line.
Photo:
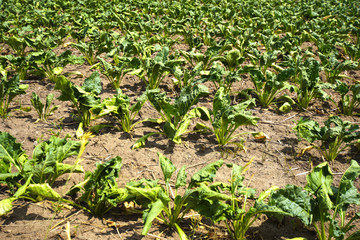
[351,50]
[120,108]
[46,164]
[350,97]
[136,44]
[323,205]
[9,89]
[51,65]
[116,71]
[221,77]
[44,110]
[186,77]
[334,68]
[263,61]
[236,212]
[171,207]
[21,65]
[99,190]
[44,41]
[17,43]
[176,116]
[82,97]
[330,140]
[190,37]
[100,42]
[232,60]
[207,58]
[33,178]
[267,85]
[154,70]
[310,85]
[226,119]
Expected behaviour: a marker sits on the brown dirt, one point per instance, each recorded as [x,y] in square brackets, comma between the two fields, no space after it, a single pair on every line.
[275,164]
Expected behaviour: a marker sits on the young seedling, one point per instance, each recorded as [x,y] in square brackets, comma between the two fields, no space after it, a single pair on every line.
[43,110]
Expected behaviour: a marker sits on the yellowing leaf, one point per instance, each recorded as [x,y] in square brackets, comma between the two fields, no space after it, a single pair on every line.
[260,136]
[58,70]
[304,150]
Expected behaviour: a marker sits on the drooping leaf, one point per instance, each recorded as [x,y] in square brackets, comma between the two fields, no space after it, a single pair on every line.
[44,191]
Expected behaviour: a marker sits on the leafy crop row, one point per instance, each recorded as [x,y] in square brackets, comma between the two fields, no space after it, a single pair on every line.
[218,201]
[293,53]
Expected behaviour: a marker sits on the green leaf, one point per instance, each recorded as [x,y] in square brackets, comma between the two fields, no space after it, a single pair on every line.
[308,129]
[167,167]
[66,88]
[189,96]
[181,177]
[206,174]
[92,84]
[63,168]
[11,152]
[347,193]
[294,201]
[141,141]
[319,183]
[100,191]
[144,196]
[181,233]
[221,101]
[149,216]
[265,194]
[58,70]
[285,107]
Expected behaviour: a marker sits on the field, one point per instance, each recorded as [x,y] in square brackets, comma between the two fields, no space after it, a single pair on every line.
[144,88]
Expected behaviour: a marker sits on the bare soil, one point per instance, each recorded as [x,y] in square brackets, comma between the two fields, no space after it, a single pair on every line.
[275,164]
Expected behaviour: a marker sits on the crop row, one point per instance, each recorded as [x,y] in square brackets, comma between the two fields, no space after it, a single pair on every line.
[292,52]
[233,203]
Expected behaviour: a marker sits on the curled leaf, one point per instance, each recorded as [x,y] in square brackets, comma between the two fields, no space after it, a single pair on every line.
[304,150]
